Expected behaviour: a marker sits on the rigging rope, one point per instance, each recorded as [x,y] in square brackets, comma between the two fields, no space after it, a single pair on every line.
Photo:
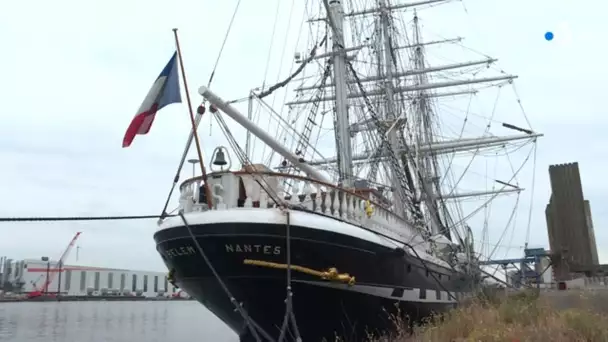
[219,55]
[504,232]
[274,30]
[531,194]
[250,323]
[283,83]
[495,195]
[257,112]
[304,140]
[289,314]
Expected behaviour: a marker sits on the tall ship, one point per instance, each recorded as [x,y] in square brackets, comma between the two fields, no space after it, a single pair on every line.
[348,192]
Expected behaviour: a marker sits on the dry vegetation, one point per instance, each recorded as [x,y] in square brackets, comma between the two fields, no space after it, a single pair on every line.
[564,316]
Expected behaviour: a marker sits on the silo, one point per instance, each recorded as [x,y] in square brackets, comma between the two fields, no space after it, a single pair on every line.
[569,223]
[592,244]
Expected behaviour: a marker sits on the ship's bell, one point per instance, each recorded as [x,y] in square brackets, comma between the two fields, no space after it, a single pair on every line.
[220,158]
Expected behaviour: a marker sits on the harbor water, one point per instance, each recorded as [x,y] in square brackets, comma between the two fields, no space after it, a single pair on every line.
[110,322]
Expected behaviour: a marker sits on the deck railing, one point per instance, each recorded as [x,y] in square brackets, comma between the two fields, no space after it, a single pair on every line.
[232,189]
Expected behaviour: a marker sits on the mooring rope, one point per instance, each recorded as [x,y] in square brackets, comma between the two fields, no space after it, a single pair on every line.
[251,324]
[80,218]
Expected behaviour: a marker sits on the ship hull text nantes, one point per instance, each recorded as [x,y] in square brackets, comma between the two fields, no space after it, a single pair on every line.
[259,249]
[183,251]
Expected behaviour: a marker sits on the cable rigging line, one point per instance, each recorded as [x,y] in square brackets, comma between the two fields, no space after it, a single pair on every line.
[219,55]
[531,194]
[81,218]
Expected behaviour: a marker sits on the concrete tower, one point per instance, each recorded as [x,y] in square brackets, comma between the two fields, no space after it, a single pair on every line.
[569,222]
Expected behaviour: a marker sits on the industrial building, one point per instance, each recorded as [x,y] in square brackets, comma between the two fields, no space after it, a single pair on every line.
[534,268]
[31,274]
[572,261]
[570,224]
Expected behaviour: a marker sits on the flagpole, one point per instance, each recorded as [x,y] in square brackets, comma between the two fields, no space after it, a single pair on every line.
[193,123]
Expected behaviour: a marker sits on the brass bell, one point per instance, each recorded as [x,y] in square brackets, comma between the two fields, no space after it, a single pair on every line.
[220,158]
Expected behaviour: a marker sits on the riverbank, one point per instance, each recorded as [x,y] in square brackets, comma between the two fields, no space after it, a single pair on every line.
[88,299]
[559,316]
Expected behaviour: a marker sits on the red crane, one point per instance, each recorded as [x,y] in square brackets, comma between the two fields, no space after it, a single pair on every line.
[35,283]
[55,270]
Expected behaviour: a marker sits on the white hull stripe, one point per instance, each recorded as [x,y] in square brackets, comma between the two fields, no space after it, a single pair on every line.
[408,294]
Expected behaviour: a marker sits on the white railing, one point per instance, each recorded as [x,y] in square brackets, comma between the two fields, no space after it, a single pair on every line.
[242,189]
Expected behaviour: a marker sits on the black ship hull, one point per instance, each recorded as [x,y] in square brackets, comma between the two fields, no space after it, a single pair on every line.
[389,280]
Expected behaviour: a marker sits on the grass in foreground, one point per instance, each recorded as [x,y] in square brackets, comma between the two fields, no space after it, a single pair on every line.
[563,316]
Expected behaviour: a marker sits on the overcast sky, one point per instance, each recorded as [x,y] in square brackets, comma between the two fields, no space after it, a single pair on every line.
[75,72]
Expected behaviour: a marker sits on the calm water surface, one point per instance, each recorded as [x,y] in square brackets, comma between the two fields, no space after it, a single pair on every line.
[111,322]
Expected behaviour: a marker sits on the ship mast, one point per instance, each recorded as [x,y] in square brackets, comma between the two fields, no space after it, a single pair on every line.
[342,131]
[427,163]
[411,164]
[390,110]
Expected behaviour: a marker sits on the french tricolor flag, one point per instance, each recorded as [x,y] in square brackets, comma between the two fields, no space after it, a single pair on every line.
[165,91]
